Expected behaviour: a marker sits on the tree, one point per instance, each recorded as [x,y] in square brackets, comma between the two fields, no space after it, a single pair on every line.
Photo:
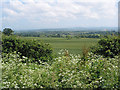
[68,37]
[58,35]
[8,31]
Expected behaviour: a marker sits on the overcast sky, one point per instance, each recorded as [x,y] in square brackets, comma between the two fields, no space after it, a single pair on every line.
[38,14]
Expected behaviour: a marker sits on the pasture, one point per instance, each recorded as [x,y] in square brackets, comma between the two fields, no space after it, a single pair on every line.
[74,46]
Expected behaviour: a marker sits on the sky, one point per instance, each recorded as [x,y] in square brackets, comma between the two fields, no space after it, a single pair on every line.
[39,14]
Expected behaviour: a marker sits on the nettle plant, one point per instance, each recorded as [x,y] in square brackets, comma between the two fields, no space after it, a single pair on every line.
[66,71]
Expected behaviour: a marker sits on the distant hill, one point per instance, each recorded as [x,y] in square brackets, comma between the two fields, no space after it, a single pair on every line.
[72,29]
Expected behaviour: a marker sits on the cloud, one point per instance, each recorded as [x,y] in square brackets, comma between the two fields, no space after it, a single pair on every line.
[68,8]
[56,10]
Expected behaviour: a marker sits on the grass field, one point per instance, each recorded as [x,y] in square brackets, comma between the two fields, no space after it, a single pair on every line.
[74,46]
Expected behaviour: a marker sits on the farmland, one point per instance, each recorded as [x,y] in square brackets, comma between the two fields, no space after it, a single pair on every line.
[74,46]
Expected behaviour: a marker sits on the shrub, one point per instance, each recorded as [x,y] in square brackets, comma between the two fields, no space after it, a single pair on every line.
[108,47]
[64,72]
[30,49]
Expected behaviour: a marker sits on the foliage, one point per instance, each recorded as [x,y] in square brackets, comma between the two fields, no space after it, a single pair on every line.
[68,37]
[88,36]
[28,48]
[108,47]
[61,33]
[67,71]
[8,31]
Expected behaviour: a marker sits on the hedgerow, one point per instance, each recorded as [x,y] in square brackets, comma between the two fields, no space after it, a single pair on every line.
[29,48]
[65,72]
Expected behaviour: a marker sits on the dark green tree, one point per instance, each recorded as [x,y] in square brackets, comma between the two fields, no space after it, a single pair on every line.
[8,31]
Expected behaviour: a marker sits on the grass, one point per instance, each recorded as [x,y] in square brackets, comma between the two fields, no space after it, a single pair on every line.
[74,46]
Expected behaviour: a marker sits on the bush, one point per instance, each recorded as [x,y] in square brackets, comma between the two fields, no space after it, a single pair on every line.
[8,31]
[64,72]
[30,49]
[108,47]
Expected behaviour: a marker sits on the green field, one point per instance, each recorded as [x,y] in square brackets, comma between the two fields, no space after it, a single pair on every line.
[74,46]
